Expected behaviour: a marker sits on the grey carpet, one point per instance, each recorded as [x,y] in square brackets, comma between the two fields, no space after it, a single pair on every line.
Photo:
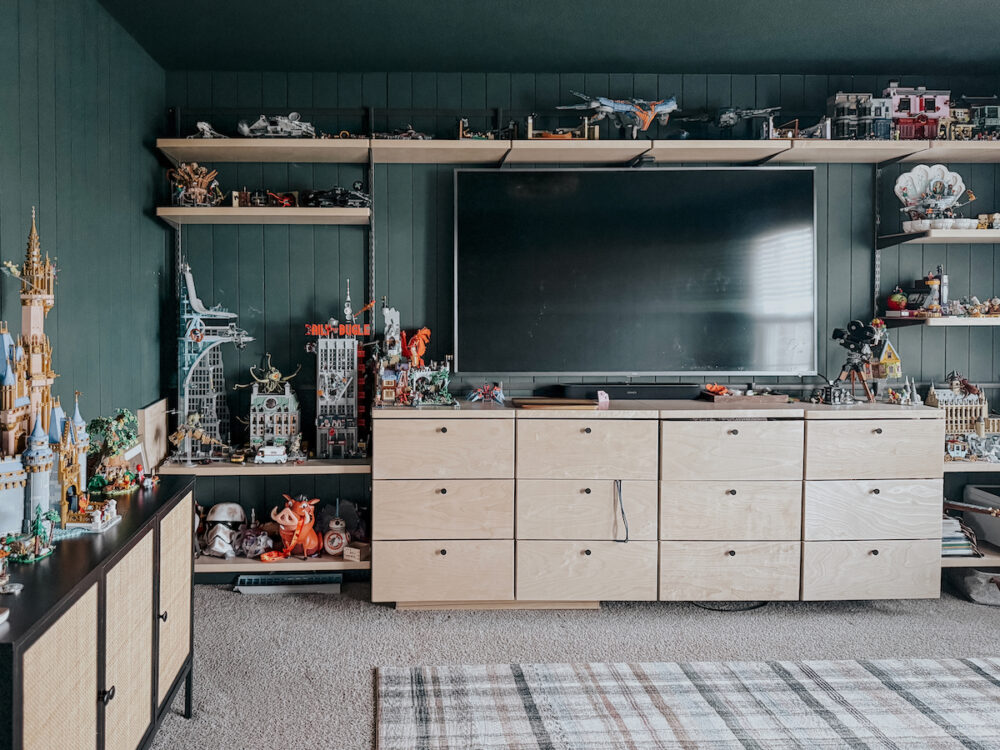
[296,672]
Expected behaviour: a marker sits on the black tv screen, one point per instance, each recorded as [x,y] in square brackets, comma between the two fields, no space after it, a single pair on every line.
[635,271]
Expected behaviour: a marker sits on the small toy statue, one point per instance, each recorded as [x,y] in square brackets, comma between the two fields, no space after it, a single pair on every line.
[254,541]
[489,393]
[205,130]
[193,185]
[295,523]
[337,537]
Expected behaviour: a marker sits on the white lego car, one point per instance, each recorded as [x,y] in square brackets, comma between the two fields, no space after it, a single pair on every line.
[271,454]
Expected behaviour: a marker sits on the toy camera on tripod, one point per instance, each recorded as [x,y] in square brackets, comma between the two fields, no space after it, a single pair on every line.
[858,338]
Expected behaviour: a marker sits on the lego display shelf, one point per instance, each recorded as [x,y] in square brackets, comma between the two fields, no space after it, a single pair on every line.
[991,559]
[206,564]
[305,150]
[942,237]
[311,467]
[178,216]
[948,322]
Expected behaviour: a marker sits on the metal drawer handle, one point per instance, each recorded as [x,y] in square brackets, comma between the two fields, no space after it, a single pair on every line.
[586,490]
[444,429]
[876,491]
[586,430]
[444,552]
[586,552]
[874,551]
[163,615]
[730,492]
[731,553]
[877,430]
[444,490]
[734,432]
[106,696]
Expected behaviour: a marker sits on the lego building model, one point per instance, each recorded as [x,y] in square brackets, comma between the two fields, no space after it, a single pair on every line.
[860,116]
[43,455]
[971,434]
[203,415]
[402,378]
[274,408]
[340,374]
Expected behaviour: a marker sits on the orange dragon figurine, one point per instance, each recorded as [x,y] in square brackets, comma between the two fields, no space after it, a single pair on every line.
[416,346]
[295,523]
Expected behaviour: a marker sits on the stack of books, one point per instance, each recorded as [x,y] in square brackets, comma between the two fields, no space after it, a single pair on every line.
[957,539]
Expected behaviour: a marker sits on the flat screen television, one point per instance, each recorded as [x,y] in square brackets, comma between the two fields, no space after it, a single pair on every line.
[627,272]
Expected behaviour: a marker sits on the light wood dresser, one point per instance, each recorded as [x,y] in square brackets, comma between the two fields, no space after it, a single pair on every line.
[484,506]
[100,640]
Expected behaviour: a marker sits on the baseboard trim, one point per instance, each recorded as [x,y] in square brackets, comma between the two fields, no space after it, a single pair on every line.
[497,605]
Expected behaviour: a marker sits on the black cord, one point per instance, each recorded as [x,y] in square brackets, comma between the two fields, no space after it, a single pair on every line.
[621,505]
[730,607]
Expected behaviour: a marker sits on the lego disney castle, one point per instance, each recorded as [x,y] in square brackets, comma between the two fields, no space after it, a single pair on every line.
[43,454]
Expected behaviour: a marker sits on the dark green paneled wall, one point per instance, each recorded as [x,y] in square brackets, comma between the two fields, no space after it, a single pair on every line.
[282,277]
[80,106]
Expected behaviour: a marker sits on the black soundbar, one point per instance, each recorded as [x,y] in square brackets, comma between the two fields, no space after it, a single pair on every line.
[623,391]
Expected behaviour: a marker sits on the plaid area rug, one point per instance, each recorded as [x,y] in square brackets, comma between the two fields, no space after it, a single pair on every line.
[917,703]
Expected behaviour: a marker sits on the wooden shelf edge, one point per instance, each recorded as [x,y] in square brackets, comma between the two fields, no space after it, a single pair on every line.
[972,467]
[941,237]
[265,150]
[206,564]
[990,560]
[313,467]
[178,216]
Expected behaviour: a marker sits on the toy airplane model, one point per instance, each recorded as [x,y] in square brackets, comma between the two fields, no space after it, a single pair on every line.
[635,114]
[728,117]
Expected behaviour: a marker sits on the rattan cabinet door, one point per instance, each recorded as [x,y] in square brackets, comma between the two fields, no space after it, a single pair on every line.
[176,530]
[128,658]
[59,699]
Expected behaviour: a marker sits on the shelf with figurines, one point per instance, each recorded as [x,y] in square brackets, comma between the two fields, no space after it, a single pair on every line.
[926,303]
[229,542]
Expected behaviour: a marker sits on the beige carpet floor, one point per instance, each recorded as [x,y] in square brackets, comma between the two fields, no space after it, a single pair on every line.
[296,672]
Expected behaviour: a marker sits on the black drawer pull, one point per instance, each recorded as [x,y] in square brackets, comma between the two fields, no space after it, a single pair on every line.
[586,552]
[734,432]
[877,430]
[444,490]
[586,490]
[876,491]
[444,429]
[874,551]
[106,696]
[586,430]
[730,492]
[731,553]
[163,615]
[444,552]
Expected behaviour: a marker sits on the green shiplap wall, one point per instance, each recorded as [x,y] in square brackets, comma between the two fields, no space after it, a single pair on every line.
[80,107]
[279,278]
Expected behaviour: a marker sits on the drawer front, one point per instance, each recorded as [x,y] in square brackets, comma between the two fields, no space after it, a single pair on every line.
[873,509]
[731,450]
[443,448]
[729,571]
[583,448]
[443,571]
[563,571]
[875,449]
[852,570]
[585,509]
[751,511]
[443,509]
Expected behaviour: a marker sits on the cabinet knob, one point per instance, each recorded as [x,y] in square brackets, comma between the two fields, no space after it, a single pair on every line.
[730,492]
[877,431]
[586,490]
[444,490]
[587,430]
[731,553]
[874,551]
[444,429]
[163,615]
[586,552]
[444,552]
[734,432]
[106,696]
[876,491]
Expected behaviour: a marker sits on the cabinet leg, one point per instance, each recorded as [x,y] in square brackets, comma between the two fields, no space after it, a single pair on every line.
[188,699]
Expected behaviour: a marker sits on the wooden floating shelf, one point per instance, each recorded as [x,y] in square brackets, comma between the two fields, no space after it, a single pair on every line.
[470,151]
[991,559]
[554,151]
[820,151]
[942,237]
[207,564]
[679,151]
[178,216]
[957,151]
[313,467]
[973,467]
[306,150]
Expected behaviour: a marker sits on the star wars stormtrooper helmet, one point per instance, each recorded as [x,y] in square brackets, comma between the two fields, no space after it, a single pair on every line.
[223,527]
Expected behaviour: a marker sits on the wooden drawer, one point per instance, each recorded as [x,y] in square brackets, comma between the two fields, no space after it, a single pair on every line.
[443,509]
[584,448]
[875,449]
[873,509]
[751,511]
[428,448]
[564,571]
[853,570]
[731,450]
[443,571]
[729,571]
[585,509]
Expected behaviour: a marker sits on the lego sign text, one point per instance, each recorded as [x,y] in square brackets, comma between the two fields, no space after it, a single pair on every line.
[343,329]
